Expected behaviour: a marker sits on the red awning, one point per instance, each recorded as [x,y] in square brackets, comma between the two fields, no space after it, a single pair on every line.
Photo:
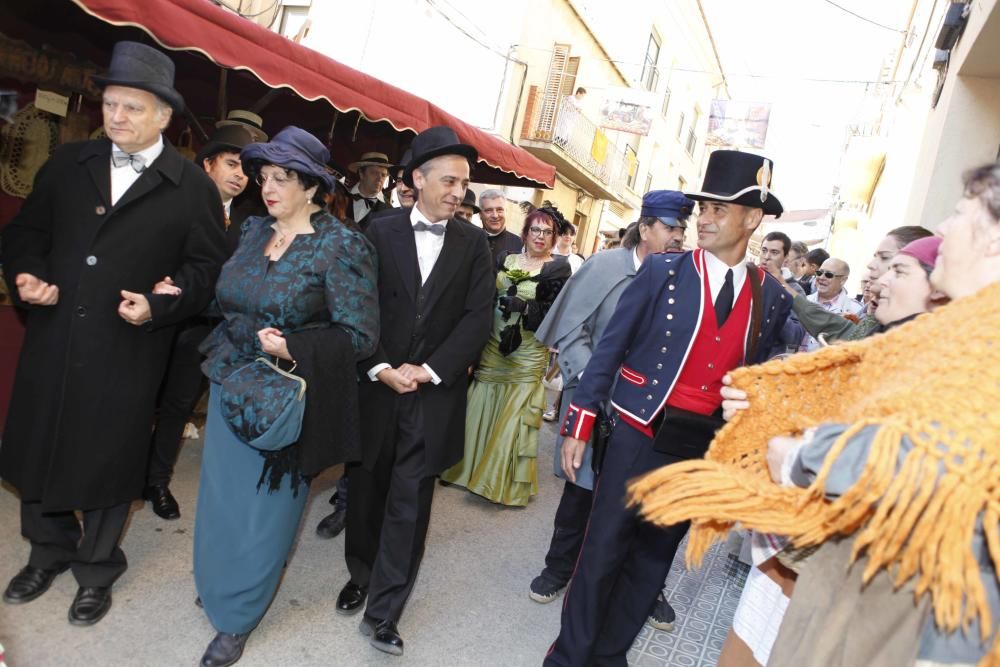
[237,43]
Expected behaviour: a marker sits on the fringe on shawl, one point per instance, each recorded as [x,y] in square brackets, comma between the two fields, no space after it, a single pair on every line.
[921,516]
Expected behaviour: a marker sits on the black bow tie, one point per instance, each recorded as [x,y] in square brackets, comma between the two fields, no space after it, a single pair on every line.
[369,201]
[436,229]
[121,158]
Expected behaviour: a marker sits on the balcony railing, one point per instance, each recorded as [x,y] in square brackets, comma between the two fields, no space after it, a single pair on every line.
[561,123]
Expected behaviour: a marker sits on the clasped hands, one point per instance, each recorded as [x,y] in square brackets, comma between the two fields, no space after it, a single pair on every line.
[404,379]
[134,307]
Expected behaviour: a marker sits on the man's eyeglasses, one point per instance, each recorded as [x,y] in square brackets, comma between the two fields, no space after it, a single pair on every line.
[540,231]
[829,274]
[277,179]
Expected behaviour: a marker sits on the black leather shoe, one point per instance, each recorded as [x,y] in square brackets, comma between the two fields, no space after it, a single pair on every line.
[332,524]
[29,583]
[164,504]
[352,597]
[387,639]
[90,605]
[224,649]
[367,626]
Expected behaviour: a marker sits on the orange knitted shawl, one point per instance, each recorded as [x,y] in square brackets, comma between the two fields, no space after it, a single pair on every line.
[935,380]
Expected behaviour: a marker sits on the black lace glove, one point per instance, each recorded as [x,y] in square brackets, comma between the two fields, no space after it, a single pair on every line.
[511,304]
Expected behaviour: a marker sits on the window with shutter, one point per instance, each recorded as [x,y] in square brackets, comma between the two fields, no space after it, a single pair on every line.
[569,76]
[552,93]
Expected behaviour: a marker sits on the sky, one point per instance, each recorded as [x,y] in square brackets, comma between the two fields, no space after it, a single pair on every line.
[783,43]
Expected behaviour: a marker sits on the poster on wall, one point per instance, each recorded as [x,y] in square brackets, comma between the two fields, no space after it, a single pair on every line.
[738,124]
[628,110]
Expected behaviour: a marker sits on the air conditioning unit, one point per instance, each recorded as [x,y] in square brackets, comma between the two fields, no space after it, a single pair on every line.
[951,28]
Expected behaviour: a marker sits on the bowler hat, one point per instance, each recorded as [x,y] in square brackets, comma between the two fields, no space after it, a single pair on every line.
[470,201]
[670,207]
[435,142]
[372,159]
[739,178]
[248,119]
[292,148]
[136,65]
[227,139]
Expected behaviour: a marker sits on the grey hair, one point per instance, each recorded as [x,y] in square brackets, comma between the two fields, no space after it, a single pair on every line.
[801,248]
[984,183]
[492,193]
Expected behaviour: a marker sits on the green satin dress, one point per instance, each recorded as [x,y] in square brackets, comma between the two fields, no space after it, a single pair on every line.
[506,398]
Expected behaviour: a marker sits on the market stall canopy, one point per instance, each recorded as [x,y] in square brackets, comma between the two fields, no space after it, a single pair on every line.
[366,114]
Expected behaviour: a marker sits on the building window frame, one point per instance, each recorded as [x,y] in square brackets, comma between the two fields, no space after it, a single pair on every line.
[650,74]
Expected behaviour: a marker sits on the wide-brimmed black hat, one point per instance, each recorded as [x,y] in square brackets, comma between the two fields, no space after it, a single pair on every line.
[435,142]
[292,148]
[739,178]
[247,119]
[225,139]
[470,201]
[136,65]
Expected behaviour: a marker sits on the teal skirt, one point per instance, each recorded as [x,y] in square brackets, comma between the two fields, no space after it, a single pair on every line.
[242,536]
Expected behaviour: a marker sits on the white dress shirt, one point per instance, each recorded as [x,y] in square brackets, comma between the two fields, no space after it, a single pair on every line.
[123,177]
[635,259]
[428,250]
[361,208]
[717,275]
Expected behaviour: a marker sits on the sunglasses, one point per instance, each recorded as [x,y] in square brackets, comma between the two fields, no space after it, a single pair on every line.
[828,274]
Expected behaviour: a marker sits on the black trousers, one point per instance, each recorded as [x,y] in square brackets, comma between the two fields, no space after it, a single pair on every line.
[388,515]
[93,553]
[179,394]
[570,525]
[622,564]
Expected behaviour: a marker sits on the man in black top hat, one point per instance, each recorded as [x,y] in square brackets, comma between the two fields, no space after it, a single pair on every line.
[435,298]
[684,321]
[182,384]
[106,220]
[468,207]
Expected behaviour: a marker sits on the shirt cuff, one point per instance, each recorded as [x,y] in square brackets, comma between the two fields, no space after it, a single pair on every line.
[434,376]
[375,370]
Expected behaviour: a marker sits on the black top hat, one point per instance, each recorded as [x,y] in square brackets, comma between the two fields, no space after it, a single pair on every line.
[225,139]
[435,142]
[470,201]
[136,65]
[740,178]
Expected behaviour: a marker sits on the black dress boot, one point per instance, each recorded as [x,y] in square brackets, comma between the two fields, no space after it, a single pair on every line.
[225,649]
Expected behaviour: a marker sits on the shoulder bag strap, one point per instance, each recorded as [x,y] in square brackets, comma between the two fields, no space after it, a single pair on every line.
[756,311]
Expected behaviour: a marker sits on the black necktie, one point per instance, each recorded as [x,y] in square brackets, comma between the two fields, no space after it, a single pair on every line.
[724,302]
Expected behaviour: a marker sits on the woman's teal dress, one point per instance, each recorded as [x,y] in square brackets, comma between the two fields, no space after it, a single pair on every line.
[244,529]
[506,398]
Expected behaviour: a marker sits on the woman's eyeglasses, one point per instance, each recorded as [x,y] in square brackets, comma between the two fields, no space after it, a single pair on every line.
[829,274]
[540,231]
[277,179]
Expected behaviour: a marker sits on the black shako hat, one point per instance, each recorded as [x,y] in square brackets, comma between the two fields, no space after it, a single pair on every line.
[136,65]
[739,178]
[435,142]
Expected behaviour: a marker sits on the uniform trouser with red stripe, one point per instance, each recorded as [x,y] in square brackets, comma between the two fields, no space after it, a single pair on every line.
[622,564]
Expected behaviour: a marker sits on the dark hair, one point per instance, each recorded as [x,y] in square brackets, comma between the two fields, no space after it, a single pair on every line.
[581,89]
[567,228]
[631,238]
[253,167]
[984,183]
[539,216]
[817,256]
[216,152]
[786,243]
[908,234]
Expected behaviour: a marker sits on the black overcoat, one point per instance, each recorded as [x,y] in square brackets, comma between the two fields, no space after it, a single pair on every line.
[77,434]
[446,329]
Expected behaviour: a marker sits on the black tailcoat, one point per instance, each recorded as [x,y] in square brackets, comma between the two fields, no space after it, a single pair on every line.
[82,408]
[445,325]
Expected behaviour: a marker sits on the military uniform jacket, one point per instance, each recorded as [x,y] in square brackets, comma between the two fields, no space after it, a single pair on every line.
[651,333]
[77,436]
